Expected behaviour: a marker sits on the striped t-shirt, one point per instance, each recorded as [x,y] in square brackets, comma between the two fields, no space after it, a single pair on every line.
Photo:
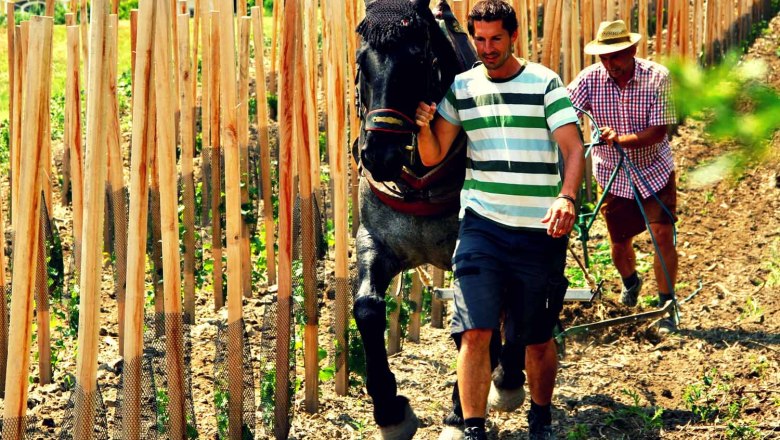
[512,173]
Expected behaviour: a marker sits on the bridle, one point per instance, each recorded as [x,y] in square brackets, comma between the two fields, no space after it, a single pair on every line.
[390,120]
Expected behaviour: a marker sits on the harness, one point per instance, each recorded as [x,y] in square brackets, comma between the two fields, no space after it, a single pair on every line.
[437,191]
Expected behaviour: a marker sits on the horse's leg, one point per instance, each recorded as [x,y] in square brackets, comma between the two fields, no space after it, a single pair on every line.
[377,265]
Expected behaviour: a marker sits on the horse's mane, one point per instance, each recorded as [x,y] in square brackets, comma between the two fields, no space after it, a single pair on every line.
[392,22]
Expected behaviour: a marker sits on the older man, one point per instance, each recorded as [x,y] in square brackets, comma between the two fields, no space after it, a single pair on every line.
[629,98]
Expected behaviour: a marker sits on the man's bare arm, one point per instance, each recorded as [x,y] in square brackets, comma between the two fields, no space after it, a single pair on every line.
[561,215]
[649,136]
[433,143]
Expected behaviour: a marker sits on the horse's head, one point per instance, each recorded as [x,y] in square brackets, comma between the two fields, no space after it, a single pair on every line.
[398,66]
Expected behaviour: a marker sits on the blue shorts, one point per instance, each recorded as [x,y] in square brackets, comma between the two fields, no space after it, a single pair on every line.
[516,271]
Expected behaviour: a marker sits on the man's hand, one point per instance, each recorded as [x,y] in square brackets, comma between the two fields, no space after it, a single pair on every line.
[560,217]
[609,135]
[424,114]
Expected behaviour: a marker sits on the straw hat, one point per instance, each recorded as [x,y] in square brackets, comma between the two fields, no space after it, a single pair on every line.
[613,36]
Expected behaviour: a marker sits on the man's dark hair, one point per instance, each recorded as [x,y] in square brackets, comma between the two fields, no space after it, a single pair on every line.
[492,10]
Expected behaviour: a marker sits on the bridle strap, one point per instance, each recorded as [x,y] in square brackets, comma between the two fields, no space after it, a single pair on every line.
[390,121]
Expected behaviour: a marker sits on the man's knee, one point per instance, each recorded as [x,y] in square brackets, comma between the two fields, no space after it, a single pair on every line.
[663,233]
[537,351]
[479,337]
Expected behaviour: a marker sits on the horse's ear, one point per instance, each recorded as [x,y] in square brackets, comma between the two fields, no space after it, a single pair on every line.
[421,4]
[368,2]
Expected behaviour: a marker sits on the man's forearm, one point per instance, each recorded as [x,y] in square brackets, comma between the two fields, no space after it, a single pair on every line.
[649,136]
[428,147]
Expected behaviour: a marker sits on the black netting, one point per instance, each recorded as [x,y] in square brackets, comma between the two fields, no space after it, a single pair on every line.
[155,245]
[137,398]
[82,409]
[26,426]
[205,180]
[233,338]
[154,393]
[276,409]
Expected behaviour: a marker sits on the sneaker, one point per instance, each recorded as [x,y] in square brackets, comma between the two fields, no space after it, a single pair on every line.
[629,295]
[541,433]
[475,433]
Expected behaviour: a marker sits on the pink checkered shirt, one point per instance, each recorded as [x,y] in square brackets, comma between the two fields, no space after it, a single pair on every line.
[644,102]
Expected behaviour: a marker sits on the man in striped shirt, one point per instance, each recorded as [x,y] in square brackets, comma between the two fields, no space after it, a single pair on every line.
[516,211]
[629,99]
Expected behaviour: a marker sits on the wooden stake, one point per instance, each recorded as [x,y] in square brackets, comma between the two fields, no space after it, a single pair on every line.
[227,91]
[26,231]
[394,331]
[566,36]
[534,17]
[522,41]
[576,32]
[13,100]
[659,28]
[611,12]
[287,69]
[3,305]
[205,115]
[306,148]
[187,126]
[643,6]
[312,112]
[116,184]
[437,305]
[354,122]
[548,30]
[334,47]
[169,225]
[459,8]
[555,58]
[73,141]
[415,297]
[92,229]
[243,148]
[265,148]
[143,137]
[216,161]
[278,12]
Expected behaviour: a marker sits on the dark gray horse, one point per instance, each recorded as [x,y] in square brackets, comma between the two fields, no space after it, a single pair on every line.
[408,212]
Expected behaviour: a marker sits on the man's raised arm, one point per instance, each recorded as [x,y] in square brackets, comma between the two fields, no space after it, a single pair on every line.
[433,143]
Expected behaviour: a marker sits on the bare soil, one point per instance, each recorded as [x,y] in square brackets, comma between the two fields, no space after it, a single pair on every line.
[611,383]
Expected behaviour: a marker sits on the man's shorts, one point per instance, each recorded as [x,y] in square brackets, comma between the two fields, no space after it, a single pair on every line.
[498,269]
[624,219]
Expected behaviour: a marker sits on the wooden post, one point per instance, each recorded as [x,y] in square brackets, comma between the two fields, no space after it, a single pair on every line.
[92,229]
[354,122]
[312,111]
[13,100]
[276,19]
[216,161]
[22,42]
[548,30]
[334,47]
[84,23]
[3,305]
[611,13]
[287,67]
[643,6]
[116,184]
[557,38]
[187,127]
[133,43]
[307,147]
[229,135]
[459,8]
[243,147]
[415,297]
[566,37]
[659,28]
[142,142]
[625,14]
[394,332]
[437,305]
[73,141]
[534,17]
[576,33]
[522,41]
[205,116]
[587,29]
[27,230]
[46,213]
[195,45]
[265,149]
[166,155]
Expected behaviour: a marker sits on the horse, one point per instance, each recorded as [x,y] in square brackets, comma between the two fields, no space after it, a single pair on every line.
[408,212]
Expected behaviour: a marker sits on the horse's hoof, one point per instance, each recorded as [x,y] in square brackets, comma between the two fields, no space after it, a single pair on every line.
[404,430]
[505,400]
[452,433]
